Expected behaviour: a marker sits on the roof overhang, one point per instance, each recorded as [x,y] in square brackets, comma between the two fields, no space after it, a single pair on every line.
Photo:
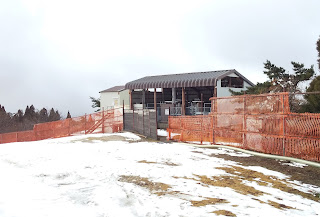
[197,79]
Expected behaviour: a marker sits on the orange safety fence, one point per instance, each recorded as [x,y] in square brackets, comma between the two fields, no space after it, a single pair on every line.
[260,123]
[108,121]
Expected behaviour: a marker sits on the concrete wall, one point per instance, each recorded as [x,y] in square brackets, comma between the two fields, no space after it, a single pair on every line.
[224,91]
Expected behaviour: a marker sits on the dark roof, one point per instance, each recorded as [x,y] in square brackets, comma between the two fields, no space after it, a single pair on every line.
[195,79]
[113,89]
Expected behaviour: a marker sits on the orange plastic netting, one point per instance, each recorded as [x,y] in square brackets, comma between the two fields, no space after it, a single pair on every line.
[107,121]
[261,123]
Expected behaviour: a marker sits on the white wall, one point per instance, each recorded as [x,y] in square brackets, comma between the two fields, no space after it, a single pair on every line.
[124,96]
[108,99]
[224,91]
[114,99]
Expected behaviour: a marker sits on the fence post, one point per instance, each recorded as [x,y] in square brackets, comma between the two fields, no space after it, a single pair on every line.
[201,130]
[123,126]
[215,118]
[85,123]
[69,126]
[244,121]
[142,121]
[102,119]
[283,128]
[133,119]
[168,129]
[0,138]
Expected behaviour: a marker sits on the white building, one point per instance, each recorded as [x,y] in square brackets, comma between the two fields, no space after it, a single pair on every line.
[114,97]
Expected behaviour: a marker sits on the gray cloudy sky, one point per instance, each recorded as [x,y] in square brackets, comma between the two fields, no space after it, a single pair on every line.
[58,53]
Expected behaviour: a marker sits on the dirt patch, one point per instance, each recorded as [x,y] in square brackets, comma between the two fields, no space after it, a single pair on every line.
[154,187]
[163,163]
[102,138]
[224,213]
[208,201]
[232,182]
[264,180]
[279,205]
[307,174]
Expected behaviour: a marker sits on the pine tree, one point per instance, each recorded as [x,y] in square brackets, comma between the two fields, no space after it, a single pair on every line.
[57,116]
[280,80]
[318,49]
[68,115]
[52,115]
[43,115]
[313,100]
[95,103]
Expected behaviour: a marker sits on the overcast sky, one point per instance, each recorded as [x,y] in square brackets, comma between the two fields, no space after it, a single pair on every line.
[58,53]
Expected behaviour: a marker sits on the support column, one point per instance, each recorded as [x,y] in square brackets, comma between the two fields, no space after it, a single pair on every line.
[215,92]
[183,109]
[143,99]
[202,109]
[155,99]
[174,95]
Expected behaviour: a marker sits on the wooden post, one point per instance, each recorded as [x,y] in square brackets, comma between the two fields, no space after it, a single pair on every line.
[155,98]
[0,138]
[215,92]
[183,109]
[16,136]
[133,119]
[155,108]
[123,126]
[168,129]
[130,99]
[102,119]
[143,121]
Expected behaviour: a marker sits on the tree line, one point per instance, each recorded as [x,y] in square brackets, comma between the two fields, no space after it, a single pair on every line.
[22,121]
[280,80]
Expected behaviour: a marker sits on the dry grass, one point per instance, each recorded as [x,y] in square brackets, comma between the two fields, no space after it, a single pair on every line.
[102,138]
[224,213]
[208,201]
[236,180]
[264,180]
[163,163]
[279,205]
[154,187]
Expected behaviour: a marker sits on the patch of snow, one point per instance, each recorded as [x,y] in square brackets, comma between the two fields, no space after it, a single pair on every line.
[69,177]
[162,132]
[295,164]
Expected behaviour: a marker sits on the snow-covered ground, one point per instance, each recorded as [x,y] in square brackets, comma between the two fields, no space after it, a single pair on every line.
[118,175]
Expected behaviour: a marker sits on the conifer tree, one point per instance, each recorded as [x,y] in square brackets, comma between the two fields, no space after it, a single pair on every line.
[43,115]
[318,49]
[68,115]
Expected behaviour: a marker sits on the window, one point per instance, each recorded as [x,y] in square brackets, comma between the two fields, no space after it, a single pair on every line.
[234,82]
